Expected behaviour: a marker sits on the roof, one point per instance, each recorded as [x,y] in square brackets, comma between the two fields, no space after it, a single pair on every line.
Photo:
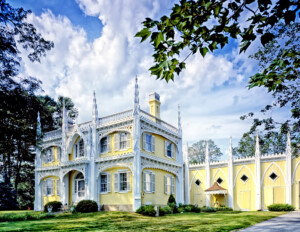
[215,187]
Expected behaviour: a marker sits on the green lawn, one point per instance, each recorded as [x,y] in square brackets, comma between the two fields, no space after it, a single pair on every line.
[122,221]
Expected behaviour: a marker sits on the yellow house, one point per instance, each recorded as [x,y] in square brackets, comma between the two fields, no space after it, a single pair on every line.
[250,183]
[121,161]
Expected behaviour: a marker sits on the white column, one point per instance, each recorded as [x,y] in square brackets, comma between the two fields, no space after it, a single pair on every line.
[230,177]
[257,175]
[207,173]
[288,153]
[186,176]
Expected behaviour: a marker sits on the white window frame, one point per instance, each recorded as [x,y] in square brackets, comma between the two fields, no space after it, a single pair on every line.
[49,185]
[76,186]
[146,143]
[167,145]
[57,187]
[117,181]
[108,183]
[49,155]
[78,152]
[107,149]
[150,184]
[170,186]
[122,137]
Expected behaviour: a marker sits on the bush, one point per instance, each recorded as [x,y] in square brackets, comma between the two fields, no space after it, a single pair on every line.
[171,199]
[162,211]
[224,208]
[187,208]
[173,207]
[195,209]
[281,207]
[208,209]
[86,206]
[147,210]
[24,216]
[180,209]
[168,210]
[56,206]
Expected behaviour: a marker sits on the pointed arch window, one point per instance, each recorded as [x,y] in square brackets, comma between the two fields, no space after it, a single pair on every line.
[79,148]
[49,155]
[273,176]
[198,182]
[219,180]
[79,185]
[244,178]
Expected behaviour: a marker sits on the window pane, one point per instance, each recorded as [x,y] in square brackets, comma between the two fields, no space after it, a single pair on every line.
[81,148]
[123,181]
[169,149]
[148,142]
[148,182]
[123,140]
[103,183]
[103,145]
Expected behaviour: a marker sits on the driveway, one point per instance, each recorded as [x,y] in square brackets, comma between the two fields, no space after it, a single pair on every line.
[286,222]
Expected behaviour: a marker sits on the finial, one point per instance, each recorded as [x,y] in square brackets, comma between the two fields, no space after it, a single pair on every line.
[288,144]
[95,110]
[179,117]
[257,149]
[136,97]
[206,152]
[38,128]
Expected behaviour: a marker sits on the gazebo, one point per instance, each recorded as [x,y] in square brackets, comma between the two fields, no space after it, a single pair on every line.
[218,193]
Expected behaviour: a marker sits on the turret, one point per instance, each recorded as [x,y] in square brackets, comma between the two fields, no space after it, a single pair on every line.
[154,102]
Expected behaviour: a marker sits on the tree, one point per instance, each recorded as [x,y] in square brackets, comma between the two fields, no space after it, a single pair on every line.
[207,25]
[270,143]
[279,63]
[7,193]
[197,151]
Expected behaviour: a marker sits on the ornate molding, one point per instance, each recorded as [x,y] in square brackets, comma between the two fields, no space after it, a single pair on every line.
[160,160]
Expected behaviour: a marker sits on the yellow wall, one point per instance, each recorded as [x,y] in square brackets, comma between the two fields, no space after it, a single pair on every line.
[244,192]
[112,145]
[296,184]
[159,197]
[273,191]
[115,198]
[54,197]
[159,148]
[197,194]
[55,161]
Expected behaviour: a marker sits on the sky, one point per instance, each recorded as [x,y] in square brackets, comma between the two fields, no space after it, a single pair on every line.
[95,49]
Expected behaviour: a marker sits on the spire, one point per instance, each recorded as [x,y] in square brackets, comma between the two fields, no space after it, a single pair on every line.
[288,150]
[39,126]
[257,150]
[136,97]
[179,118]
[95,110]
[64,118]
[206,153]
[230,149]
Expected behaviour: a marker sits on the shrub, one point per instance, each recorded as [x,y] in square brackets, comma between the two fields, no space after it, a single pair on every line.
[162,211]
[180,209]
[56,206]
[208,209]
[195,209]
[171,199]
[224,208]
[281,207]
[147,210]
[168,210]
[187,208]
[173,207]
[86,206]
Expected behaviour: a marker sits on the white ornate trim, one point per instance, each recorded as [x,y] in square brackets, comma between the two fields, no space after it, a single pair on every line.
[277,174]
[225,176]
[244,166]
[190,187]
[161,160]
[294,173]
[216,192]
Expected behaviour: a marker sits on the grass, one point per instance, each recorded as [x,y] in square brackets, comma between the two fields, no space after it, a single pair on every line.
[123,221]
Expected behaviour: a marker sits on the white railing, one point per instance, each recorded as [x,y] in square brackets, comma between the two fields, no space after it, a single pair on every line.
[156,120]
[52,134]
[115,117]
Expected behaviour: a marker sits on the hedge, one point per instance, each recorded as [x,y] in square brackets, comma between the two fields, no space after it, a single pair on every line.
[281,207]
[86,206]
[56,206]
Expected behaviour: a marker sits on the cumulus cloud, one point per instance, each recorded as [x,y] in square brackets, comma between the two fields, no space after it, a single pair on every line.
[211,91]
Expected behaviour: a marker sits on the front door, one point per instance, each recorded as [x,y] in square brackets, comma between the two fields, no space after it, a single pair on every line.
[198,199]
[79,188]
[244,201]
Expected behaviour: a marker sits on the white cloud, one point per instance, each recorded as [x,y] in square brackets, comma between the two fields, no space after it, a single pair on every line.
[211,90]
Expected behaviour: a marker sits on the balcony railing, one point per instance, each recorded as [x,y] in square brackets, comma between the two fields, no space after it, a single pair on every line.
[158,121]
[52,134]
[115,117]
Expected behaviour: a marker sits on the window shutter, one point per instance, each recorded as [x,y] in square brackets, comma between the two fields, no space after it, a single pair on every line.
[173,150]
[144,181]
[166,148]
[128,140]
[144,141]
[100,184]
[152,143]
[108,182]
[172,185]
[44,188]
[116,180]
[52,154]
[153,182]
[52,186]
[166,185]
[128,181]
[57,187]
[75,186]
[117,141]
[109,143]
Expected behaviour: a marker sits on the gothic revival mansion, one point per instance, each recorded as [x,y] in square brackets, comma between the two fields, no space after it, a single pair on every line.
[133,158]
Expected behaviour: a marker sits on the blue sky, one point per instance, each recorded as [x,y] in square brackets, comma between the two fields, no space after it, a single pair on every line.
[95,49]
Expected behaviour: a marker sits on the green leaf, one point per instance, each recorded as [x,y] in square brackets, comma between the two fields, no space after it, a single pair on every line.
[203,51]
[157,38]
[217,10]
[144,33]
[266,38]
